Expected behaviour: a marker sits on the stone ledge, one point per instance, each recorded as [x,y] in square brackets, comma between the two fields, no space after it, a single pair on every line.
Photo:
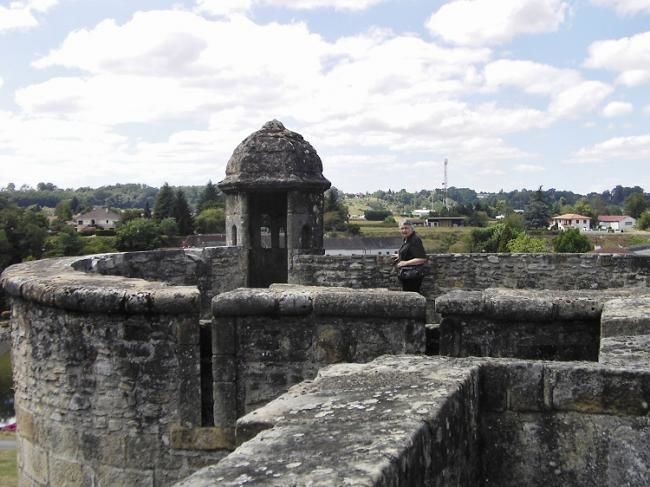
[631,352]
[206,438]
[626,316]
[531,305]
[56,283]
[303,300]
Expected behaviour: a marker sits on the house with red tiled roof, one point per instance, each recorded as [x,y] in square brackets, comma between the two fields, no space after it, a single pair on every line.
[617,223]
[571,220]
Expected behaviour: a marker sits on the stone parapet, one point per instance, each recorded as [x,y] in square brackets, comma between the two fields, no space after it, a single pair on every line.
[266,340]
[439,421]
[56,283]
[283,299]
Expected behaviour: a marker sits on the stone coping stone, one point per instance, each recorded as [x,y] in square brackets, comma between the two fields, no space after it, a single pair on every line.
[626,316]
[625,351]
[530,305]
[351,426]
[56,283]
[285,299]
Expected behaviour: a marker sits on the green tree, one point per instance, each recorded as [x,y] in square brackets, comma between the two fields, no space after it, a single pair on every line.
[643,223]
[138,234]
[164,206]
[211,220]
[183,214]
[66,242]
[537,213]
[130,214]
[635,204]
[524,243]
[63,210]
[168,227]
[99,245]
[492,239]
[571,241]
[210,197]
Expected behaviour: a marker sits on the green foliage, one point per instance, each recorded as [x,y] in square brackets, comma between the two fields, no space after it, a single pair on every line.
[168,227]
[164,206]
[66,242]
[131,214]
[643,222]
[376,215]
[390,220]
[478,219]
[571,241]
[336,212]
[182,213]
[635,204]
[524,243]
[354,229]
[211,220]
[98,245]
[63,210]
[492,239]
[138,234]
[537,213]
[210,197]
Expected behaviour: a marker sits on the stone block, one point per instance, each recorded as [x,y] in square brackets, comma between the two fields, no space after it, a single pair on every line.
[187,330]
[205,438]
[599,391]
[111,476]
[224,335]
[625,351]
[626,317]
[34,462]
[64,472]
[225,404]
[224,368]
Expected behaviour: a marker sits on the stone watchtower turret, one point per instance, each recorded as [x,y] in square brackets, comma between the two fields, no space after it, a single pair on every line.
[274,189]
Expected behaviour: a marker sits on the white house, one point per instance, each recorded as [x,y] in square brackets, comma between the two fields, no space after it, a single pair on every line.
[618,223]
[97,217]
[571,220]
[422,212]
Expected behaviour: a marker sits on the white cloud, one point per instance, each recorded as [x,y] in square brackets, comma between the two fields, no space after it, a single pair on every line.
[617,109]
[647,109]
[634,148]
[224,7]
[629,56]
[527,168]
[530,77]
[625,7]
[20,14]
[489,22]
[230,7]
[582,98]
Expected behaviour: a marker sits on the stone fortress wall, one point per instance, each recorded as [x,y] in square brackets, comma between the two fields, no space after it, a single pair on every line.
[108,364]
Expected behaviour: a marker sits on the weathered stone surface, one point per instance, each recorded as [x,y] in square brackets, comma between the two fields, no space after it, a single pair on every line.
[274,157]
[370,424]
[626,316]
[271,351]
[54,282]
[488,422]
[625,351]
[201,438]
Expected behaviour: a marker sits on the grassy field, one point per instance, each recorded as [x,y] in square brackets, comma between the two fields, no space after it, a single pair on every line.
[8,470]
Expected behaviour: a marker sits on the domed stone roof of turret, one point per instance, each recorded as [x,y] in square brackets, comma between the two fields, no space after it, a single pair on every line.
[274,158]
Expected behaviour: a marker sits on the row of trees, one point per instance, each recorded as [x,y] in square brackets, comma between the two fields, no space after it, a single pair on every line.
[480,208]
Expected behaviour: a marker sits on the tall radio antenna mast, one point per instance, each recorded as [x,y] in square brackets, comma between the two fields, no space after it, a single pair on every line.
[444,186]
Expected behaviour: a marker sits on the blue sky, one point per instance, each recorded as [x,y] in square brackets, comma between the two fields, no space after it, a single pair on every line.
[514,93]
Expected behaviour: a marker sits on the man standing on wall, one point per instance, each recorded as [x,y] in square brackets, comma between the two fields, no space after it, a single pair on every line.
[410,259]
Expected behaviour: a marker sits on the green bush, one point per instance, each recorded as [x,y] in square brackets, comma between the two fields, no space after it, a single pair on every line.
[139,234]
[376,215]
[643,223]
[524,243]
[571,241]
